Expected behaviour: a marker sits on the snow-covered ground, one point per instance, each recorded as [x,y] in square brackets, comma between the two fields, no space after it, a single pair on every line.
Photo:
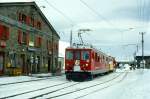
[134,86]
[122,84]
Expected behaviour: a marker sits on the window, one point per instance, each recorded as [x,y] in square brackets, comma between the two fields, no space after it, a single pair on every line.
[32,21]
[39,25]
[24,37]
[24,17]
[85,55]
[95,56]
[69,55]
[77,55]
[49,45]
[98,59]
[20,17]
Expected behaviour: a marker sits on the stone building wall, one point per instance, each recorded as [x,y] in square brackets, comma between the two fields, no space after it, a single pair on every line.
[30,47]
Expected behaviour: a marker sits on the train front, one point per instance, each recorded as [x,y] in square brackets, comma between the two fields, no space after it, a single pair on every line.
[77,64]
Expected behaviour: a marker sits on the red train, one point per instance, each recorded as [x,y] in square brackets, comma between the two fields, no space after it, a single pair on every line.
[85,63]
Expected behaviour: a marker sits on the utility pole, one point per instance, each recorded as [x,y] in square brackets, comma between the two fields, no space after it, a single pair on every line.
[142,34]
[71,38]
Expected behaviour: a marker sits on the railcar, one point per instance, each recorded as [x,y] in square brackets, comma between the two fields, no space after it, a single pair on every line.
[84,63]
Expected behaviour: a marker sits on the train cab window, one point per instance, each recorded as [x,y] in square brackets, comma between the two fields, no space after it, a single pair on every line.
[77,55]
[69,55]
[85,55]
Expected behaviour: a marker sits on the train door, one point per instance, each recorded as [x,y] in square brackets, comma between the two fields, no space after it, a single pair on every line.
[1,63]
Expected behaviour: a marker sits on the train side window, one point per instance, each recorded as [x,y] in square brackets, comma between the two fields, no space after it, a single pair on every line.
[69,55]
[98,59]
[85,55]
[95,56]
[102,58]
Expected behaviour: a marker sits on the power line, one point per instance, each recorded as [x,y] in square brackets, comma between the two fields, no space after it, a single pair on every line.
[60,12]
[143,7]
[98,14]
[138,9]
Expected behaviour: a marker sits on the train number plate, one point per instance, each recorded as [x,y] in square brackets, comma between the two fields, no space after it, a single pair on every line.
[77,68]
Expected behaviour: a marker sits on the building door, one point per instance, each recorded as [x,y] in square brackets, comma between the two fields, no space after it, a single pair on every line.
[1,63]
[38,64]
[49,64]
[22,62]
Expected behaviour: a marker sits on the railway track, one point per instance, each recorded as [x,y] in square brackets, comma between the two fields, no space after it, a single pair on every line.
[28,81]
[68,85]
[50,92]
[88,87]
[10,96]
[102,88]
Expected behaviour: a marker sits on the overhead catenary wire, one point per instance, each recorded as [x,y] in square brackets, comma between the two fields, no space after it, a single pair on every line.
[99,15]
[72,23]
[60,12]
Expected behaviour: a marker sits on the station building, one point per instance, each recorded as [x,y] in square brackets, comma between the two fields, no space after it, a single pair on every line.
[28,42]
[146,59]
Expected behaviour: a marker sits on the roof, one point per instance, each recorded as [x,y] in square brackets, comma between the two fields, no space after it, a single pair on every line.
[38,9]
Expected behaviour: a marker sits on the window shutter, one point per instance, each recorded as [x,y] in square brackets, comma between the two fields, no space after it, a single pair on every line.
[1,31]
[27,38]
[40,41]
[28,21]
[19,36]
[4,32]
[36,41]
[7,32]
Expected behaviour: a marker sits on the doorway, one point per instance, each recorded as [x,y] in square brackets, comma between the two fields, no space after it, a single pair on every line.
[49,64]
[22,64]
[1,63]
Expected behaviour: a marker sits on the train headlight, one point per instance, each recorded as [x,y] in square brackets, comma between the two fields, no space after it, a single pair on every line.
[86,64]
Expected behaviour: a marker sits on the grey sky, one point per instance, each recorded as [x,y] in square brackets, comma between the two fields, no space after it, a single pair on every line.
[109,23]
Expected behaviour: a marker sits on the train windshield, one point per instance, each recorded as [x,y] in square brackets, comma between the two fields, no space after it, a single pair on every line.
[69,55]
[77,55]
[85,55]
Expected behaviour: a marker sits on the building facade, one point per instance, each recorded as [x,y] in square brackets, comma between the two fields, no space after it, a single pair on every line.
[146,59]
[28,42]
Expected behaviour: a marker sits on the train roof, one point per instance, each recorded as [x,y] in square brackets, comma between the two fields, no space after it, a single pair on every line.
[94,49]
